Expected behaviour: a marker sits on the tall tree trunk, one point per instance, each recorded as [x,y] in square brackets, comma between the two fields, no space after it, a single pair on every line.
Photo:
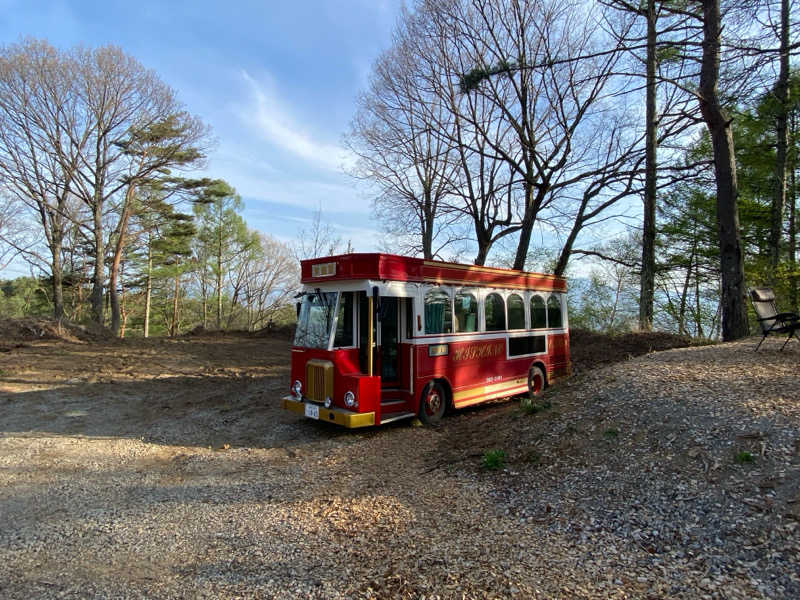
[483,251]
[96,297]
[526,229]
[734,313]
[148,288]
[566,250]
[793,296]
[781,93]
[427,227]
[58,277]
[219,294]
[123,312]
[687,282]
[173,327]
[219,278]
[115,263]
[648,274]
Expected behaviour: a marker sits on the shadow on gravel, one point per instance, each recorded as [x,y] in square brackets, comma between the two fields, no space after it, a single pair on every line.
[217,412]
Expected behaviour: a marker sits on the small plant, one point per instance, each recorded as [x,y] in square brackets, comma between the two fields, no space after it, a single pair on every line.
[744,457]
[493,459]
[611,433]
[531,408]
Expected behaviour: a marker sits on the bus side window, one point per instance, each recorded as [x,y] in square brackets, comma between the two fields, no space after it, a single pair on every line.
[438,313]
[538,313]
[495,309]
[554,311]
[516,312]
[466,309]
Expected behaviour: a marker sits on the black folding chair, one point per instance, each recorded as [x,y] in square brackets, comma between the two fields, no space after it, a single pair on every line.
[770,320]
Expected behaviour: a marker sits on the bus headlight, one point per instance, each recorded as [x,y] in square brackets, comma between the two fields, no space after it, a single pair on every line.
[328,401]
[297,389]
[350,400]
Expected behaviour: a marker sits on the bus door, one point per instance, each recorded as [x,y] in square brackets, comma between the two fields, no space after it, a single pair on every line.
[389,341]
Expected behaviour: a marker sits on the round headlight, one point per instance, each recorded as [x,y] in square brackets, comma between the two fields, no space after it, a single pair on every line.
[350,400]
[328,401]
[297,388]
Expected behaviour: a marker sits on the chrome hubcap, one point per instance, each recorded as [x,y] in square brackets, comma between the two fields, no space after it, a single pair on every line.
[434,402]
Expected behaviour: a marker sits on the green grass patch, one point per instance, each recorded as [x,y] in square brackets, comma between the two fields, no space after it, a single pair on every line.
[611,433]
[531,408]
[744,457]
[493,460]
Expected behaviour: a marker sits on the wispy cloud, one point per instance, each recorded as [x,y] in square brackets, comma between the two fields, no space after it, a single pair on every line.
[279,127]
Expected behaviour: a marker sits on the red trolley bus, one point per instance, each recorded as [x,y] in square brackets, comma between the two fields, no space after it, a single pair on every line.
[382,337]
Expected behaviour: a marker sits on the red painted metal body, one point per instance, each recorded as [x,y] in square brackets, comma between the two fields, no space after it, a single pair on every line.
[473,367]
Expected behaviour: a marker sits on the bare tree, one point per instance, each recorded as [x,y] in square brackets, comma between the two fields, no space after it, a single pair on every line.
[541,67]
[41,139]
[87,126]
[12,228]
[268,282]
[400,150]
[318,239]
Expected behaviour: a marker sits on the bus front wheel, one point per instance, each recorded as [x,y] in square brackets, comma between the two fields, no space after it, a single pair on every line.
[536,382]
[433,403]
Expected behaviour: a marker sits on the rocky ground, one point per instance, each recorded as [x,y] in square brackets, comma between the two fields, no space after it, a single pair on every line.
[165,469]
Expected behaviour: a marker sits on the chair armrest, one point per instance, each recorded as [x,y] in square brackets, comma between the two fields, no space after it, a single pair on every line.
[787,316]
[781,317]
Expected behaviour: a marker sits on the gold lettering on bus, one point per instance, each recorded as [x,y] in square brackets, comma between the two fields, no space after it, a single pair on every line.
[478,351]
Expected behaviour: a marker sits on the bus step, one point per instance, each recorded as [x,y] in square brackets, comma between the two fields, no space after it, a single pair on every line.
[392,404]
[397,417]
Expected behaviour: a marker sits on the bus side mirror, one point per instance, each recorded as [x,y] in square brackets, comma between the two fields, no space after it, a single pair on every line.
[297,308]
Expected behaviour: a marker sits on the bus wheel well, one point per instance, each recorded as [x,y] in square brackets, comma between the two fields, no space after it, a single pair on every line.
[540,364]
[447,390]
[537,380]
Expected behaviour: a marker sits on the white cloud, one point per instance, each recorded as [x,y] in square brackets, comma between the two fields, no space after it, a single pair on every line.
[276,125]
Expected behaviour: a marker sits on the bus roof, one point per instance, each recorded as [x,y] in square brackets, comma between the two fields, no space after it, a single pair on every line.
[391,267]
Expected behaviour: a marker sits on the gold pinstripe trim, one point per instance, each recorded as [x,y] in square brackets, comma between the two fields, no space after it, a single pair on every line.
[487,390]
[479,269]
[500,394]
[483,284]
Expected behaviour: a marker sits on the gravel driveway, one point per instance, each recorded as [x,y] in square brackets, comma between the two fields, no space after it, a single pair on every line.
[181,477]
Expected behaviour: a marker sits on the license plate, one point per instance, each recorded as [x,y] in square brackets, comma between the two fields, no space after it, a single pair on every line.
[312,411]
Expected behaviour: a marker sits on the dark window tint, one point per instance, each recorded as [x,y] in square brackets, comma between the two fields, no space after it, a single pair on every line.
[344,321]
[554,311]
[538,313]
[529,344]
[495,310]
[516,312]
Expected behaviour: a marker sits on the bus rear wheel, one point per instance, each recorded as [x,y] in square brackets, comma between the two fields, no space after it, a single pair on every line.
[536,382]
[433,403]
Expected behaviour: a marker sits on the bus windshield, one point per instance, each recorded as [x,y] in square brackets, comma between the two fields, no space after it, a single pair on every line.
[315,320]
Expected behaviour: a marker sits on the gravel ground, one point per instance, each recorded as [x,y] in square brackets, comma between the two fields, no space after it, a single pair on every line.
[182,478]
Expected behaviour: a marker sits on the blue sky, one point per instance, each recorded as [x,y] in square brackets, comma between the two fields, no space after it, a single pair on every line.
[277,82]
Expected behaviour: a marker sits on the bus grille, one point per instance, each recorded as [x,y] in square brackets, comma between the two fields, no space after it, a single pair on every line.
[319,380]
